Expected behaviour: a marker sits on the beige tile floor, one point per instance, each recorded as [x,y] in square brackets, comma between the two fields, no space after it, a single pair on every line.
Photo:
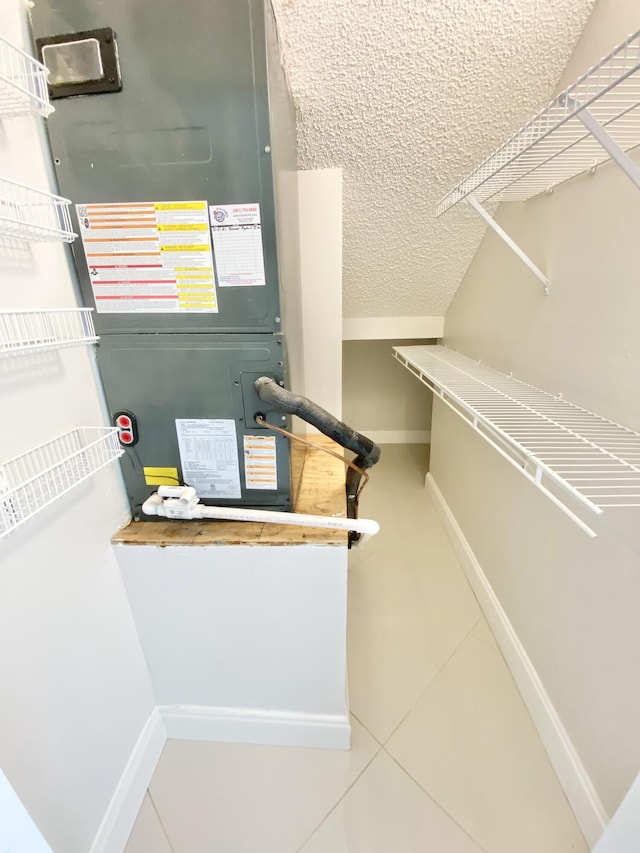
[445,757]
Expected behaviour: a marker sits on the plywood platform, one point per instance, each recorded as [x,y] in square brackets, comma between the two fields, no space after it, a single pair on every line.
[318,488]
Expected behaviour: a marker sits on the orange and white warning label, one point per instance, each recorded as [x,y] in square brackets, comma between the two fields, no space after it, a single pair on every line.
[260,462]
[149,256]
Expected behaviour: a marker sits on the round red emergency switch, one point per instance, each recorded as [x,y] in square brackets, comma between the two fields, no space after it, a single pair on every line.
[127,426]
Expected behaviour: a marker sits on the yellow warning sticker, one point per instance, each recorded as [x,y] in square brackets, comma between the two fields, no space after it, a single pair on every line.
[194,226]
[180,205]
[207,275]
[195,248]
[161,476]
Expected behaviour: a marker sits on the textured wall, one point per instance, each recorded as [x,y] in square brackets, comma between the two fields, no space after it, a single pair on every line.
[406,96]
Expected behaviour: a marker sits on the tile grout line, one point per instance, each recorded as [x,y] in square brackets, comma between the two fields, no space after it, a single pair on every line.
[431,680]
[360,723]
[337,803]
[494,645]
[382,748]
[160,821]
[434,801]
[385,742]
[488,645]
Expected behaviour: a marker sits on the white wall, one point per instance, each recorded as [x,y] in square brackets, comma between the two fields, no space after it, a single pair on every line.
[572,601]
[380,398]
[74,690]
[284,162]
[320,206]
[391,328]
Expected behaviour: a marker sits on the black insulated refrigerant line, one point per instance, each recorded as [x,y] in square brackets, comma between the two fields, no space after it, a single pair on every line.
[367,451]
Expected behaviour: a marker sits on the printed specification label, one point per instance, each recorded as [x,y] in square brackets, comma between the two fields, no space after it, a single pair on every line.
[149,256]
[209,456]
[237,242]
[260,462]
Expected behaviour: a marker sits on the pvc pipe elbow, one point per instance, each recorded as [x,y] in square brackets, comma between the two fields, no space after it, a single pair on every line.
[152,504]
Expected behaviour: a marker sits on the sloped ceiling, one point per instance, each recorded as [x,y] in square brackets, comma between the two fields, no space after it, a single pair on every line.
[407,96]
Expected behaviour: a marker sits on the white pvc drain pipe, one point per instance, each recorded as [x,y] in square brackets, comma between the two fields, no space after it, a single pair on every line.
[181,502]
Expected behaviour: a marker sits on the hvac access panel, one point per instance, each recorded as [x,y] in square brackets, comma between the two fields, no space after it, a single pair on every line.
[184,408]
[170,176]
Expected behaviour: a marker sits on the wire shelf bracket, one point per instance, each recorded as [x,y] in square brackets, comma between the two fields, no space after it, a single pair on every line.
[581,461]
[511,243]
[23,83]
[35,331]
[30,214]
[34,480]
[592,121]
[609,144]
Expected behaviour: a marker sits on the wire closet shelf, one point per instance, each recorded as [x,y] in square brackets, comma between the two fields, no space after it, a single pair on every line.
[23,83]
[34,480]
[35,331]
[30,214]
[577,458]
[555,145]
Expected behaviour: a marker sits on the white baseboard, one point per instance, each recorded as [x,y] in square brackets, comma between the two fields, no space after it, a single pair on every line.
[187,722]
[588,809]
[240,725]
[125,804]
[398,436]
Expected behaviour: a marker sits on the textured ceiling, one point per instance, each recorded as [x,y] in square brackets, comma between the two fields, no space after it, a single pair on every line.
[407,96]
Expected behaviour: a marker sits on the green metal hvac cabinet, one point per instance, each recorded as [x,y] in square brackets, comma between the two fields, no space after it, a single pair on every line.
[163,136]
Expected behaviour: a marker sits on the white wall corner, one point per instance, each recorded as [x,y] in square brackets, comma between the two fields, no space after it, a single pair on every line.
[582,796]
[390,328]
[243,725]
[18,830]
[622,834]
[130,791]
[320,220]
[226,725]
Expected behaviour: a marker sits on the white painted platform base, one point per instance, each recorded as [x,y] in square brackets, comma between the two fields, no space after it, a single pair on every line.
[254,635]
[589,811]
[244,644]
